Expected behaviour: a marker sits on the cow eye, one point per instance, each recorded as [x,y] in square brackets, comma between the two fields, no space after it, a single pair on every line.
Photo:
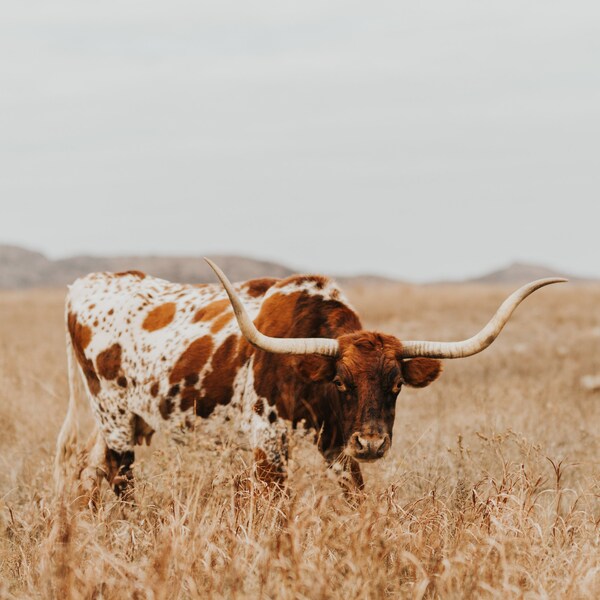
[340,384]
[397,387]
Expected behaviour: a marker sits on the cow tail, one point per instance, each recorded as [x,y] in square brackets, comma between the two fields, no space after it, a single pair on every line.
[66,444]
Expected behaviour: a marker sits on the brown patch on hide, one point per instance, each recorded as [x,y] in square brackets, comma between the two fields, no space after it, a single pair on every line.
[220,322]
[192,360]
[165,407]
[81,336]
[108,362]
[217,386]
[160,316]
[298,314]
[135,273]
[191,380]
[258,287]
[142,431]
[210,311]
[305,315]
[189,398]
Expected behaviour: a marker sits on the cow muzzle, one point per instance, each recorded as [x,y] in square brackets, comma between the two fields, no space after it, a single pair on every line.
[368,446]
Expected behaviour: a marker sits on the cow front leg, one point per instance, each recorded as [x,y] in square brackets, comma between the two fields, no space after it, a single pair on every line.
[98,462]
[121,433]
[119,473]
[348,474]
[269,440]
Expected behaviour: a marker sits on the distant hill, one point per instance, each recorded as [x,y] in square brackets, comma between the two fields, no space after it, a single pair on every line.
[21,268]
[518,273]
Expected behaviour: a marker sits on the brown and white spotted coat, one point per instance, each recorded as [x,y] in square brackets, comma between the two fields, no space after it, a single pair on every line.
[154,354]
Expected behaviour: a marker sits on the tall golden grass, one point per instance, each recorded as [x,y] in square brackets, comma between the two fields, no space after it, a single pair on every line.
[490,490]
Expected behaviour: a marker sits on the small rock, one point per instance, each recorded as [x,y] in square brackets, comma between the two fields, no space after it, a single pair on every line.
[590,382]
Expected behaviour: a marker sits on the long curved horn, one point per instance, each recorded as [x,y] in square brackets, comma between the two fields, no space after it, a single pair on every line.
[323,346]
[485,337]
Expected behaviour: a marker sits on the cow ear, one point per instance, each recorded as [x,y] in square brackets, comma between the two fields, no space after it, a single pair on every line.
[420,372]
[316,368]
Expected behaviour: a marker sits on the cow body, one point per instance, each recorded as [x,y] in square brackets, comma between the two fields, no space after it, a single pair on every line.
[154,355]
[153,349]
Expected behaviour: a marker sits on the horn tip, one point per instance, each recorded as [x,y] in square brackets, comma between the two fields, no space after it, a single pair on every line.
[548,281]
[211,264]
[215,268]
[536,285]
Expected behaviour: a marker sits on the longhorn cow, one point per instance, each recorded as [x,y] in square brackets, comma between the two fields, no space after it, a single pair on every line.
[154,355]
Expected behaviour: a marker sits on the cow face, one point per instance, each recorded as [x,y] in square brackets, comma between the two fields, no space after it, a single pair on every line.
[369,374]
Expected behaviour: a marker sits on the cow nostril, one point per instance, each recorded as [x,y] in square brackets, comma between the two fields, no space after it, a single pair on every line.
[363,444]
[383,446]
[358,443]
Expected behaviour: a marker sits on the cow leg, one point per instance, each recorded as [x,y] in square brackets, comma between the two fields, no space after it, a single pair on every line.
[120,432]
[119,473]
[348,474]
[98,462]
[109,454]
[269,440]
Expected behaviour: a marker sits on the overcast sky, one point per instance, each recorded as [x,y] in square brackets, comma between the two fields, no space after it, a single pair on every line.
[422,140]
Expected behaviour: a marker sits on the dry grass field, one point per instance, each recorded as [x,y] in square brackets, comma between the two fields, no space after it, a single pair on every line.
[491,490]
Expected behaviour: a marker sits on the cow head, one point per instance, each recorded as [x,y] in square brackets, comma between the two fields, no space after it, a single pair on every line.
[369,374]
